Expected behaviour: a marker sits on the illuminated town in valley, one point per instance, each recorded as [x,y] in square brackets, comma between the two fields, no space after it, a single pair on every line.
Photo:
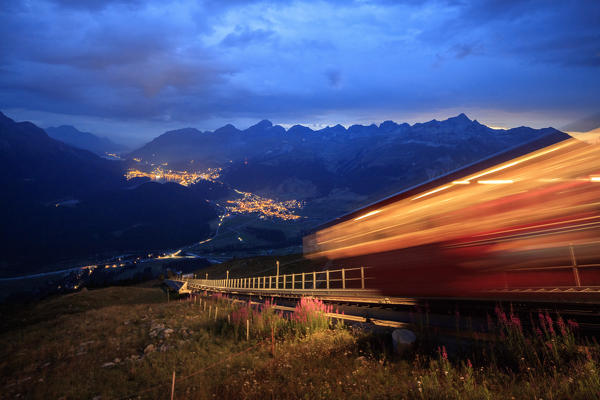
[268,208]
[184,178]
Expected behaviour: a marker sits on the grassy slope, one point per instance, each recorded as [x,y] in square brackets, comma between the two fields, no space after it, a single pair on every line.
[56,349]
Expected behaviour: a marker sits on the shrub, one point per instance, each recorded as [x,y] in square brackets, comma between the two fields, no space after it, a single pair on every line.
[310,315]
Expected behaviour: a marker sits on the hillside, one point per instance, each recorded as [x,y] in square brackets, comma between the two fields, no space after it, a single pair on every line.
[85,140]
[62,204]
[126,342]
[37,168]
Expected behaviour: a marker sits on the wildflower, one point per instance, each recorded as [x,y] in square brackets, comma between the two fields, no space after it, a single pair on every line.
[442,352]
[549,322]
[469,363]
[501,315]
[515,321]
[542,320]
[562,326]
[538,332]
[573,324]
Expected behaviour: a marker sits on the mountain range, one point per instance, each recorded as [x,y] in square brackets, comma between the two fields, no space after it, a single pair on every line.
[85,140]
[372,160]
[62,203]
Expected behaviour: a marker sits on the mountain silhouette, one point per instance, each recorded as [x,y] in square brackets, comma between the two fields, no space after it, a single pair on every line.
[84,140]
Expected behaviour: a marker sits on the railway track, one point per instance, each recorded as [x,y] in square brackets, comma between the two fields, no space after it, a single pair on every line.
[451,316]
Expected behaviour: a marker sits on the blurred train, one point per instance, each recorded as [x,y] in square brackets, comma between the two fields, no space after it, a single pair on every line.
[519,222]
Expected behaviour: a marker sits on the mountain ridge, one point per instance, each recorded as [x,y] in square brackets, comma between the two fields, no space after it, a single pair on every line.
[84,140]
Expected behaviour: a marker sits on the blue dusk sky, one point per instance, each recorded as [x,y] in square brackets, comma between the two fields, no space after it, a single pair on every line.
[132,69]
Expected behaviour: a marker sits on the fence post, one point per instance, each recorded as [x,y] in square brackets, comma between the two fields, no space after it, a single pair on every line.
[314,280]
[293,281]
[173,386]
[362,277]
[343,278]
[327,278]
[227,282]
[283,282]
[575,269]
[277,277]
[303,281]
[247,329]
[270,282]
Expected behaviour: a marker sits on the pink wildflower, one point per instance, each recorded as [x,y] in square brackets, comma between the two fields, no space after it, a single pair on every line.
[443,353]
[542,320]
[562,326]
[515,321]
[538,332]
[573,324]
[501,315]
[549,323]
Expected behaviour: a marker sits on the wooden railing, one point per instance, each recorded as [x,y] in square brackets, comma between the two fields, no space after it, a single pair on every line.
[329,280]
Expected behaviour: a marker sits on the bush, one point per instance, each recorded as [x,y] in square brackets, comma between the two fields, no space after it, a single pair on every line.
[310,315]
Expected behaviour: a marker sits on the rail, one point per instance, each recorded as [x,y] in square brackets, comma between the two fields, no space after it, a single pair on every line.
[338,280]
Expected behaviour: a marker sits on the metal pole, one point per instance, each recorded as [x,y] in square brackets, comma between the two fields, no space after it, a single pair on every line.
[277,276]
[362,277]
[173,387]
[575,269]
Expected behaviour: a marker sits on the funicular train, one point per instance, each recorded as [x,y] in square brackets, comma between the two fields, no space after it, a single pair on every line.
[519,222]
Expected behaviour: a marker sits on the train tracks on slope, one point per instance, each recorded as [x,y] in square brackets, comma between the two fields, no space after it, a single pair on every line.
[454,316]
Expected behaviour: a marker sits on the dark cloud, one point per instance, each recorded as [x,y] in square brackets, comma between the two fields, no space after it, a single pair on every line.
[189,62]
[334,77]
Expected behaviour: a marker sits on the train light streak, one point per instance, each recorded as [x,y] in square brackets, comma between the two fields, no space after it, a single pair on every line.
[497,203]
[433,191]
[496,181]
[531,221]
[368,215]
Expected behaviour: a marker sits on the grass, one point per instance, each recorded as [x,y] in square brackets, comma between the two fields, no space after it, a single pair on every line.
[60,348]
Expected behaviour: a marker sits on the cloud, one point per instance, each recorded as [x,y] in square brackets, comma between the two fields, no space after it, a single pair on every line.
[243,36]
[193,63]
[334,76]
